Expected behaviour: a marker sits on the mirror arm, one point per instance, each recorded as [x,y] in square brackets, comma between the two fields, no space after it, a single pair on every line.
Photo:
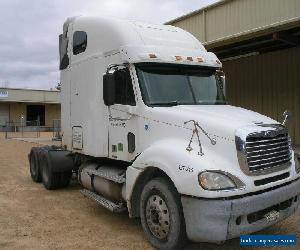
[120,118]
[286,116]
[284,121]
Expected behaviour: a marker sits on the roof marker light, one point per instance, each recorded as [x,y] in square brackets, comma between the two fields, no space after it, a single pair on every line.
[152,56]
[200,59]
[189,58]
[178,58]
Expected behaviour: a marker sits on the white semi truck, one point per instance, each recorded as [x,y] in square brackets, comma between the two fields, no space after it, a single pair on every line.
[146,127]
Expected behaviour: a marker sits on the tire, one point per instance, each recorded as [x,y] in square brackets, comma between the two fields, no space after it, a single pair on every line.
[34,165]
[53,180]
[65,179]
[161,215]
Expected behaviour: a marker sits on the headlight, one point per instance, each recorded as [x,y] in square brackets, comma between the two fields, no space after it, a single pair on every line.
[211,180]
[297,164]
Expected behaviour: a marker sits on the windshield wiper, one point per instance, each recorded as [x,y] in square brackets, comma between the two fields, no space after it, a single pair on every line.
[171,103]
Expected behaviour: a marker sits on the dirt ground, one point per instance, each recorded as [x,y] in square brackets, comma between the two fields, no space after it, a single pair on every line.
[34,218]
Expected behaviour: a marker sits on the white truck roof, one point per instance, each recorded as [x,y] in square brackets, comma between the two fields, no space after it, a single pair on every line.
[136,41]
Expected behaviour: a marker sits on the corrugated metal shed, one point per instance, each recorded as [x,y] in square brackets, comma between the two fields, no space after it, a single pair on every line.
[267,83]
[258,42]
[234,20]
[29,95]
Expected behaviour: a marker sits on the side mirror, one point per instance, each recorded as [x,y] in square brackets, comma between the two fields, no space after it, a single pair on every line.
[286,116]
[109,83]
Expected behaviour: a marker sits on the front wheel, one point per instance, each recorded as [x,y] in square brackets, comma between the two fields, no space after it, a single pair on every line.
[161,215]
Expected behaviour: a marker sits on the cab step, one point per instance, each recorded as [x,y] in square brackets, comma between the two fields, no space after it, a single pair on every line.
[115,174]
[116,208]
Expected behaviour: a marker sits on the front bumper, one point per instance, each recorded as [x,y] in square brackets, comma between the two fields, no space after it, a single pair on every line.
[211,220]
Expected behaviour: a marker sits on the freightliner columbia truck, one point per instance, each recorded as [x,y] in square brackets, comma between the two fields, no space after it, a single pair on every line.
[146,128]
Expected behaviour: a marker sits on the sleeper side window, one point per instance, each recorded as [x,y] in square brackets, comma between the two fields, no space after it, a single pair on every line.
[124,90]
[63,52]
[79,42]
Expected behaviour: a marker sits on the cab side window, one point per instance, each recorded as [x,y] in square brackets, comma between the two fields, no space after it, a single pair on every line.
[124,90]
[79,42]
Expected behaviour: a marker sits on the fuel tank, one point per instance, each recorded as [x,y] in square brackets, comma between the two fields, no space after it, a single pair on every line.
[108,181]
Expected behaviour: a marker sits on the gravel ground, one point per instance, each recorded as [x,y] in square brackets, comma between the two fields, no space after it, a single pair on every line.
[34,218]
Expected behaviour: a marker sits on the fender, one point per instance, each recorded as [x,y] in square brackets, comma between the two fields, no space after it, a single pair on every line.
[171,158]
[183,167]
[59,159]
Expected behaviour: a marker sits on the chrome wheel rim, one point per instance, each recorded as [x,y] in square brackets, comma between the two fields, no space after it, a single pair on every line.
[157,216]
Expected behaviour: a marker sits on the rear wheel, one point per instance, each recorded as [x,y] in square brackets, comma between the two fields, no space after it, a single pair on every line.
[161,215]
[65,179]
[34,165]
[53,180]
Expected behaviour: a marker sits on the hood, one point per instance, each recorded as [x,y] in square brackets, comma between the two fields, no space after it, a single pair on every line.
[217,120]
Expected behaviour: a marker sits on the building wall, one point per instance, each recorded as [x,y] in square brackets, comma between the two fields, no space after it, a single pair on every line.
[267,83]
[30,95]
[16,101]
[4,114]
[232,19]
[16,110]
[52,111]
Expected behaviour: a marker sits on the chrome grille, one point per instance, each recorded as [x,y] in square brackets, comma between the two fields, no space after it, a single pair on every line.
[267,150]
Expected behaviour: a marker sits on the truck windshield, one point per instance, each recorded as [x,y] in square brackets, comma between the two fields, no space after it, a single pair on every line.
[170,85]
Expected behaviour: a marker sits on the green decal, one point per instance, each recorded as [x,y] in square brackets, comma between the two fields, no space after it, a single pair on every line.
[120,146]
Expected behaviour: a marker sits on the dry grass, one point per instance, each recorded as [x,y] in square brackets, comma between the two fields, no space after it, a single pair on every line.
[34,218]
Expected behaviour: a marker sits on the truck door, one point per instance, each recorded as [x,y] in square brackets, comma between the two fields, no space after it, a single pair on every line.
[123,119]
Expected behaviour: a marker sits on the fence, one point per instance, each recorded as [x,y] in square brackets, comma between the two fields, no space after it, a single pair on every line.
[32,129]
[56,130]
[28,129]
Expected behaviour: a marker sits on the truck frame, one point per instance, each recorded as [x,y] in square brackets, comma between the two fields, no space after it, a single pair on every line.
[146,129]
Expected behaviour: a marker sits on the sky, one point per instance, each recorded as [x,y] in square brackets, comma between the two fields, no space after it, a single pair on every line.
[30,29]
